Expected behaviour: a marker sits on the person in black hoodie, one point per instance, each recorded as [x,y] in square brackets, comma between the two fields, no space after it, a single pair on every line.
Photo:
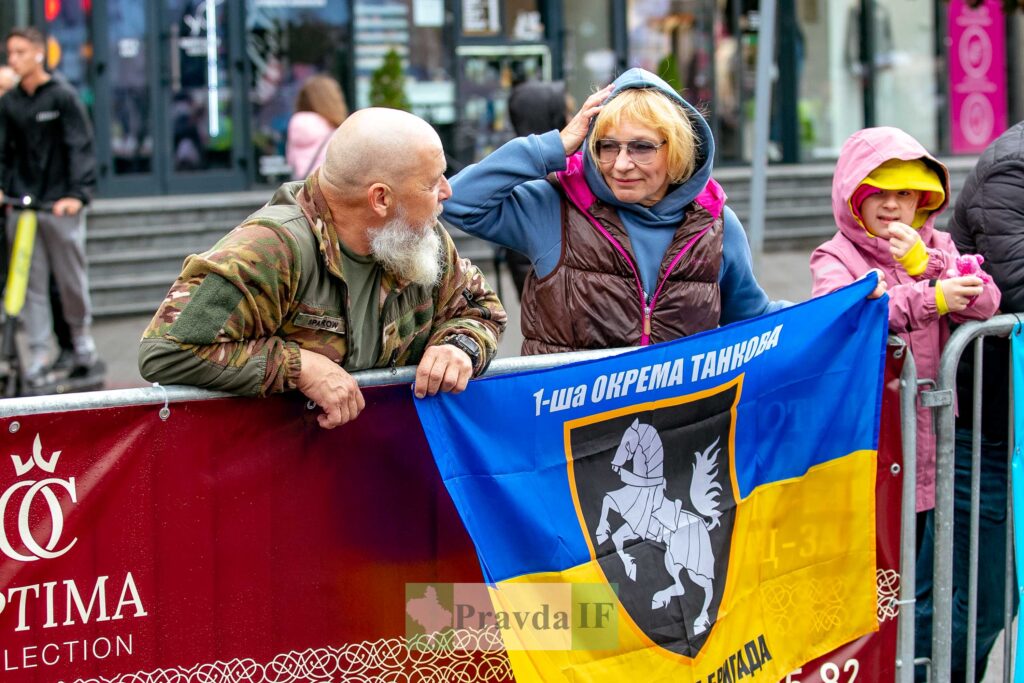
[988,220]
[46,152]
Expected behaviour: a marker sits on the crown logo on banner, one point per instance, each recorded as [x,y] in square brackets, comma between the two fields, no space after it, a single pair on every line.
[18,529]
[22,467]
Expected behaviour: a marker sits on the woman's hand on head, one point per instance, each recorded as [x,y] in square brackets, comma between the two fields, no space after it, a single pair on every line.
[576,130]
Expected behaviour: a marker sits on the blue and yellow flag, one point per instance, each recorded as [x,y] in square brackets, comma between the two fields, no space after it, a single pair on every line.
[719,488]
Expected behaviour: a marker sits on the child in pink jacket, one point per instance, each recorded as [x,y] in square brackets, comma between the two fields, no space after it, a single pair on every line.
[886,192]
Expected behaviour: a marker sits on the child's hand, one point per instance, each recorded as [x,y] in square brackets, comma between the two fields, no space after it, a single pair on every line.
[880,288]
[960,291]
[902,238]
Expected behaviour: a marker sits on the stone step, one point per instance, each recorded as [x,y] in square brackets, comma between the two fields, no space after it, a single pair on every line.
[129,263]
[806,193]
[809,188]
[104,308]
[181,238]
[133,294]
[780,210]
[143,221]
[136,212]
[787,180]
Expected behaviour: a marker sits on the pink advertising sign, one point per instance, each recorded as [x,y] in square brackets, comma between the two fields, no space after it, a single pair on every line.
[977,75]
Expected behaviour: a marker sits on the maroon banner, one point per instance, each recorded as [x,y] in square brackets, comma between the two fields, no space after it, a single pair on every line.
[873,657]
[238,541]
[235,541]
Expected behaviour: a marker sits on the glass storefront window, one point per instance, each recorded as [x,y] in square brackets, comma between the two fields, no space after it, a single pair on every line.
[831,103]
[487,72]
[706,50]
[486,77]
[69,48]
[674,39]
[163,87]
[131,135]
[286,43]
[416,31]
[523,21]
[202,101]
[733,59]
[590,61]
[709,52]
[906,83]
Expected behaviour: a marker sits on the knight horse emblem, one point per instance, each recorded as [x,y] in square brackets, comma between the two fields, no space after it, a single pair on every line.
[656,492]
[642,495]
[647,513]
[687,536]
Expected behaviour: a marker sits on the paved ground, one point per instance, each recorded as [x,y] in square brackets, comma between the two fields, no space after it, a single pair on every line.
[785,276]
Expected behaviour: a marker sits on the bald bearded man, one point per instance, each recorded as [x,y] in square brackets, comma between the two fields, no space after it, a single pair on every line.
[346,271]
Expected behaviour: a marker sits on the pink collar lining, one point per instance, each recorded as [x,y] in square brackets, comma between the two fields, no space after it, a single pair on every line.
[711,198]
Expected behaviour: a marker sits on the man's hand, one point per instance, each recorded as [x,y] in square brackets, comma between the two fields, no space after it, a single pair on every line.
[880,288]
[443,368]
[960,291]
[330,387]
[68,206]
[902,238]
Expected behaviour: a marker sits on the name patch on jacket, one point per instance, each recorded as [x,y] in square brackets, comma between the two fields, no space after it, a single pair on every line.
[44,116]
[320,322]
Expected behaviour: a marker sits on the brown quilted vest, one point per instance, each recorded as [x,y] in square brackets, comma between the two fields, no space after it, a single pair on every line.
[592,299]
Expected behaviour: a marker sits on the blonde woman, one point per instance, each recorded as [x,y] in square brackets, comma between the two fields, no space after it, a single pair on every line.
[319,109]
[629,235]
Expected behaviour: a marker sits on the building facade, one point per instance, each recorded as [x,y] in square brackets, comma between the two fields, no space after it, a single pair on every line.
[194,95]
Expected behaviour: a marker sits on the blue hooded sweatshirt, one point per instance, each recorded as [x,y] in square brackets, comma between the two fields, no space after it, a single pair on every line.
[507,200]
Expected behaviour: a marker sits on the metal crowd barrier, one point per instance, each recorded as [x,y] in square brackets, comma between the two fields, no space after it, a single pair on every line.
[156,394]
[942,400]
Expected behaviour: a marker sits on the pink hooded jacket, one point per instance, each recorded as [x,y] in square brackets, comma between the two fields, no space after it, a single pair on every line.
[305,149]
[913,314]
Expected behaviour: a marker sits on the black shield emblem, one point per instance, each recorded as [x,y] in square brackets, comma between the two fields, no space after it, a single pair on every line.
[657,501]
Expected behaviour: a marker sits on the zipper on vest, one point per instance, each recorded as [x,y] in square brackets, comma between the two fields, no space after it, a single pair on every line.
[645,338]
[649,306]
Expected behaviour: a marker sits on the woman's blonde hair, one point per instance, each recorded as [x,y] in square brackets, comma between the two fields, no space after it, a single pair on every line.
[653,109]
[322,95]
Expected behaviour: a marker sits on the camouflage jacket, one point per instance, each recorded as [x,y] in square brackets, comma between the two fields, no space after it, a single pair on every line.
[238,314]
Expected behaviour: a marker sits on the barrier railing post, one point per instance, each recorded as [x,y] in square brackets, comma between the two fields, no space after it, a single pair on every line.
[942,400]
[942,582]
[1011,576]
[908,521]
[972,567]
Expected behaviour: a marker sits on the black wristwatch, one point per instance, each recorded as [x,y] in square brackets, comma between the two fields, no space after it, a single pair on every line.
[469,345]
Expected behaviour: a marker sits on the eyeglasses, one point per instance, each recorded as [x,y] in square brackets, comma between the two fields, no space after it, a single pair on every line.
[640,151]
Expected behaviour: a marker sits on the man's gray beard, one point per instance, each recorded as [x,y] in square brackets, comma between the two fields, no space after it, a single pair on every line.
[411,253]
